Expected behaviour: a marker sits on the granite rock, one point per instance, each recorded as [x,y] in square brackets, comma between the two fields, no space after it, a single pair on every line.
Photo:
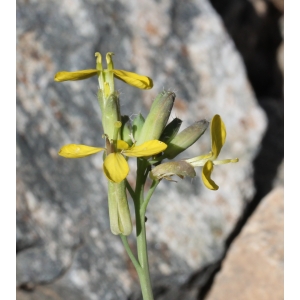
[253,268]
[64,244]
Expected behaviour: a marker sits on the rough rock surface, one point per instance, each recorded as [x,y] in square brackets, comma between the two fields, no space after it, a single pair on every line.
[253,268]
[65,249]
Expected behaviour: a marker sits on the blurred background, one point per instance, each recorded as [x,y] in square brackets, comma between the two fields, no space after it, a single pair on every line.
[219,57]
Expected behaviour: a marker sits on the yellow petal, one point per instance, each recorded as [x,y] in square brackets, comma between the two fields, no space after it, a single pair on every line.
[206,173]
[122,145]
[78,151]
[218,135]
[146,149]
[77,75]
[115,167]
[199,161]
[136,80]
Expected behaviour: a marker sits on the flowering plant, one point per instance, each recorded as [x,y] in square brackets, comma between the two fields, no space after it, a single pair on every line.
[150,141]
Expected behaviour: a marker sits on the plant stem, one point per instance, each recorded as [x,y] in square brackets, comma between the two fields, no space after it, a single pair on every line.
[130,254]
[140,210]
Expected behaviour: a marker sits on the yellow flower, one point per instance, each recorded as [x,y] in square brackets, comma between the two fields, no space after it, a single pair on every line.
[115,166]
[106,75]
[218,137]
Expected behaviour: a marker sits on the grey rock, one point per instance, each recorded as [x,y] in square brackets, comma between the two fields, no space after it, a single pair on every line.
[65,247]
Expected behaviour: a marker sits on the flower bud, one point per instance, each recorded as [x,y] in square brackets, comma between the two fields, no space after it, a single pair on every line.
[119,213]
[137,125]
[110,108]
[157,117]
[166,170]
[126,130]
[185,139]
[170,130]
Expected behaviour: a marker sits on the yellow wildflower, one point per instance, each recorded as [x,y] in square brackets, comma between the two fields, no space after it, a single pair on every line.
[218,137]
[115,166]
[106,75]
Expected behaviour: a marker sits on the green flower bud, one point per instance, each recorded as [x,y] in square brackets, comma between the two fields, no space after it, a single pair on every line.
[110,108]
[137,125]
[157,118]
[126,130]
[170,130]
[185,139]
[119,213]
[166,170]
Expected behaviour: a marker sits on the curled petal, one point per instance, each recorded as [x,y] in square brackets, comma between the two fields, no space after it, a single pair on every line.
[77,75]
[115,167]
[78,151]
[136,80]
[146,149]
[206,173]
[218,135]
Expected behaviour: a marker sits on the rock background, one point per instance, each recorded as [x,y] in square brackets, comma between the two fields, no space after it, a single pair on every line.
[65,249]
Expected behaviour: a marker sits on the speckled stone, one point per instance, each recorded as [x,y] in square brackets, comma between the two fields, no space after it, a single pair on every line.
[253,268]
[63,235]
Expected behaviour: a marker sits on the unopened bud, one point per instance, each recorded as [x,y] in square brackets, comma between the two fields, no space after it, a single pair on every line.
[110,108]
[166,170]
[126,130]
[185,139]
[170,130]
[137,125]
[157,117]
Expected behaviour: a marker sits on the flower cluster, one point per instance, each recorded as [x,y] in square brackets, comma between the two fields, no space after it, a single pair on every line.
[149,139]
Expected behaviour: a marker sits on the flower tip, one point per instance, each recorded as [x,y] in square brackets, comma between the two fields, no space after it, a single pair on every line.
[57,77]
[235,160]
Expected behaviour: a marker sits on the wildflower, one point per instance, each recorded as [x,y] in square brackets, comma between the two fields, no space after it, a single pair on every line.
[218,137]
[115,166]
[106,76]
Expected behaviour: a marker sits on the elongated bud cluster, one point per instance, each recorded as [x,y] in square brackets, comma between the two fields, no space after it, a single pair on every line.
[185,139]
[166,170]
[157,118]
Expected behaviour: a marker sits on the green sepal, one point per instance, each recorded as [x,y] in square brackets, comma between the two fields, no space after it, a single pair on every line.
[126,130]
[157,118]
[119,213]
[185,139]
[137,125]
[110,108]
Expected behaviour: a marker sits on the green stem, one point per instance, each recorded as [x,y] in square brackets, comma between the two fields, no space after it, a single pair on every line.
[144,275]
[129,189]
[149,195]
[130,254]
[140,204]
